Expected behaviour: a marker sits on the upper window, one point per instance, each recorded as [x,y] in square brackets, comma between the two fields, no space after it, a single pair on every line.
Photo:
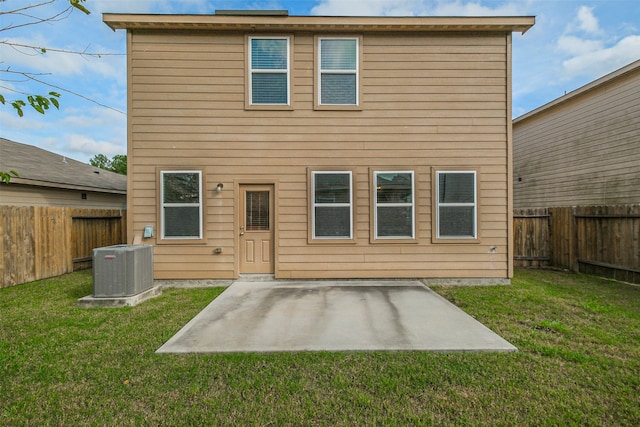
[456,211]
[394,209]
[181,196]
[338,71]
[332,216]
[269,70]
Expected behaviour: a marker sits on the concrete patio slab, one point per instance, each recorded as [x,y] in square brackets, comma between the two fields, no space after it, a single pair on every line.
[332,316]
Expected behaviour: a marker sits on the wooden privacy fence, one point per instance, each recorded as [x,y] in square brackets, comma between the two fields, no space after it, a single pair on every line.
[599,240]
[40,242]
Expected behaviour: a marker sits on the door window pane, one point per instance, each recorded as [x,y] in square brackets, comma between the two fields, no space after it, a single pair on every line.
[257,211]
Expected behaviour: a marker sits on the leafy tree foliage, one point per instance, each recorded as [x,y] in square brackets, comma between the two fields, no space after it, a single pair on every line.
[117,163]
[6,176]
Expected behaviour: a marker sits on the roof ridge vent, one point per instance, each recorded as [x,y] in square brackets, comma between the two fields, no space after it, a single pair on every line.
[232,12]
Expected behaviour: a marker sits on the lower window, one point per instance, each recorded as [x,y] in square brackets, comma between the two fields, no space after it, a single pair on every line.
[456,211]
[394,209]
[181,210]
[331,196]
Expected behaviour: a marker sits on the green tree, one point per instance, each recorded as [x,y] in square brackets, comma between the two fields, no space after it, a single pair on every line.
[6,176]
[100,161]
[117,163]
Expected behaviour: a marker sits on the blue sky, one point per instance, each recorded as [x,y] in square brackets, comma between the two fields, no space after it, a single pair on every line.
[573,43]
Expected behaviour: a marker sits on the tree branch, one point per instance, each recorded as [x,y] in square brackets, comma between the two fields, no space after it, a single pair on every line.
[36,20]
[9,12]
[75,93]
[41,50]
[31,76]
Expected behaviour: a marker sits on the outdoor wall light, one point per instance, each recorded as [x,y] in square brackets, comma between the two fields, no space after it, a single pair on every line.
[219,187]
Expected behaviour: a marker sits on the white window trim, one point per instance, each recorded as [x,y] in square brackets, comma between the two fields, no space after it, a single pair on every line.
[163,205]
[269,71]
[412,205]
[474,204]
[321,71]
[314,205]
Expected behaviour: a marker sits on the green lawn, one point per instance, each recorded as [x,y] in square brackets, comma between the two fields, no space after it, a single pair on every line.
[578,364]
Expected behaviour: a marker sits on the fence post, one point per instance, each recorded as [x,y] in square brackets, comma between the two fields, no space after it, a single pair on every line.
[575,265]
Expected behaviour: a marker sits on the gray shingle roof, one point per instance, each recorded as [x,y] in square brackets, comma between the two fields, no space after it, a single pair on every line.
[40,167]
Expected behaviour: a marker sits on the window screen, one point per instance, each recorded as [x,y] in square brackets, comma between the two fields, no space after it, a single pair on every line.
[269,70]
[338,71]
[332,208]
[394,205]
[456,212]
[181,204]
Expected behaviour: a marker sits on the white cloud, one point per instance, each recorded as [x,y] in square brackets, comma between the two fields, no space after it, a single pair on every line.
[601,61]
[12,122]
[59,63]
[150,6]
[368,7]
[86,146]
[121,6]
[415,8]
[596,53]
[577,46]
[587,22]
[461,8]
[93,117]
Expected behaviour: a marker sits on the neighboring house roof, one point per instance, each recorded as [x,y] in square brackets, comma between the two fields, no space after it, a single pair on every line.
[43,168]
[278,21]
[634,66]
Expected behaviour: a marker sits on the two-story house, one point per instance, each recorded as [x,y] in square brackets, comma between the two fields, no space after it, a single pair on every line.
[321,147]
[582,148]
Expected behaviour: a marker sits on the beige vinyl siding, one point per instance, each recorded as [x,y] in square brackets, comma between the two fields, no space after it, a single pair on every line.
[584,151]
[25,195]
[428,100]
